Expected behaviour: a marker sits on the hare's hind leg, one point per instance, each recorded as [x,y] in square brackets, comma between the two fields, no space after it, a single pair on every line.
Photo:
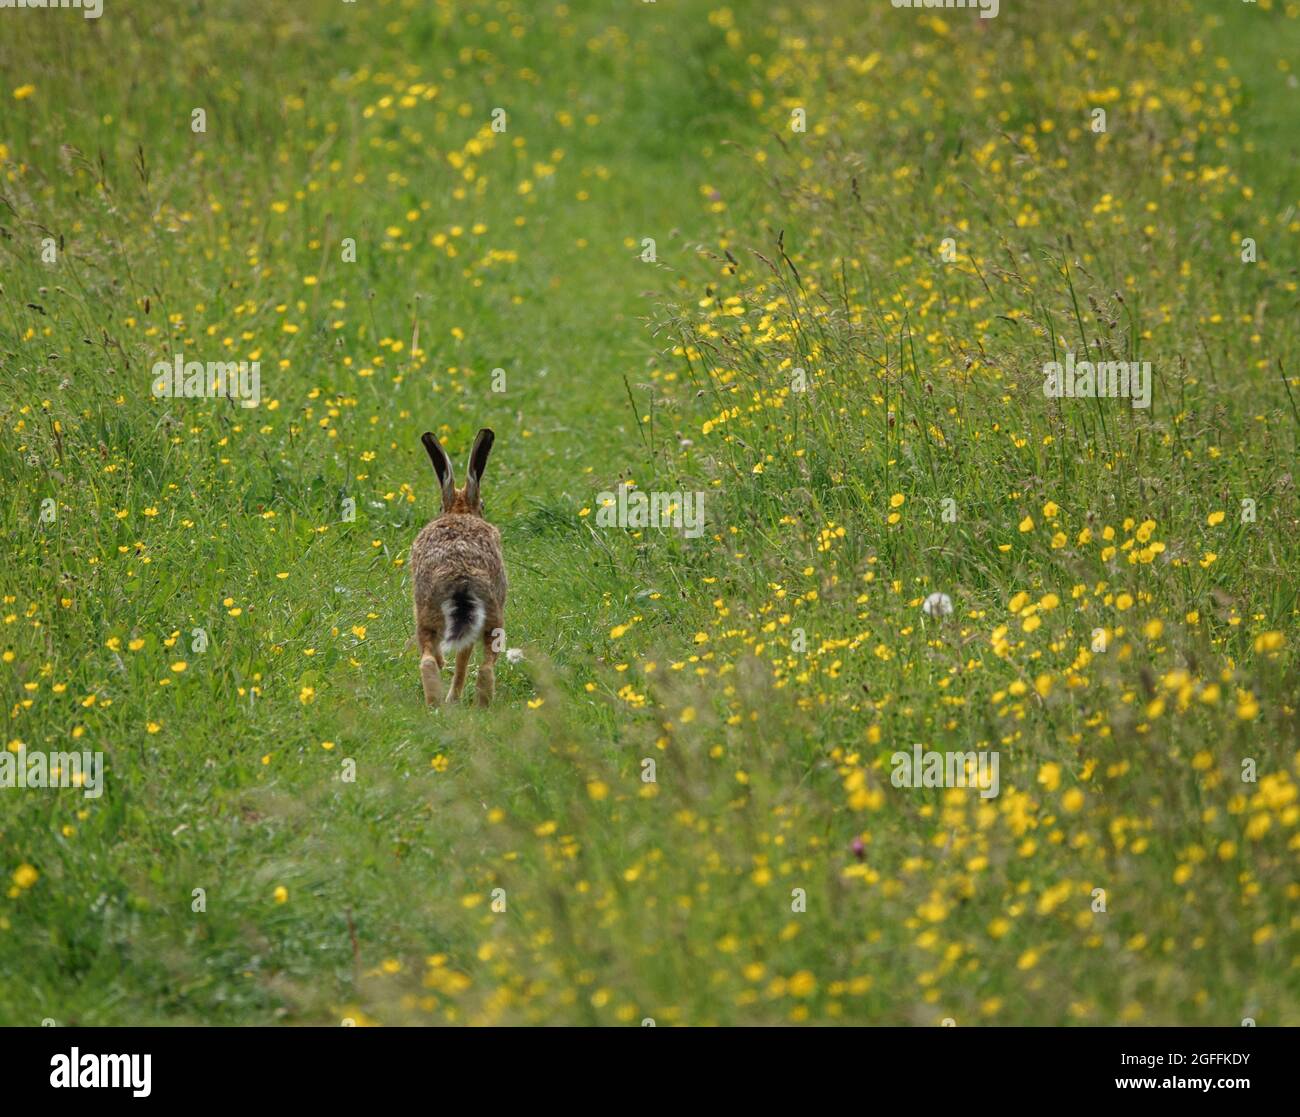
[487,674]
[462,669]
[430,664]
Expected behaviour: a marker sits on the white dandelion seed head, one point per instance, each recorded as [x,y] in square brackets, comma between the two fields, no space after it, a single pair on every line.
[514,655]
[937,605]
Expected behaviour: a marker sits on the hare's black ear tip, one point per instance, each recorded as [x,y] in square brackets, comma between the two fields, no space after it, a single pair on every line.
[428,439]
[488,433]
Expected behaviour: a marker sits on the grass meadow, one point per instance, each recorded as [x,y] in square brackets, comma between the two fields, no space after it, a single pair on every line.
[808,260]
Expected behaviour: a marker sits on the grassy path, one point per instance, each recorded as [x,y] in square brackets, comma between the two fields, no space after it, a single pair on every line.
[516,250]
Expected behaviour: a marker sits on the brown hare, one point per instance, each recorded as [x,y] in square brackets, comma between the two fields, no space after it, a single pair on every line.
[459,579]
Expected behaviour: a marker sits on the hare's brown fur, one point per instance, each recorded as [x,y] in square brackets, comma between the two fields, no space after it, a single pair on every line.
[458,579]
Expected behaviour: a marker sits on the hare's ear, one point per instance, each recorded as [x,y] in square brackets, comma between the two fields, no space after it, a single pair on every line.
[478,457]
[442,467]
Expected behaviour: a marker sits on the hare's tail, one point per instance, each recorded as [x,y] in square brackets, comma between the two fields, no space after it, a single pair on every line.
[464,613]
